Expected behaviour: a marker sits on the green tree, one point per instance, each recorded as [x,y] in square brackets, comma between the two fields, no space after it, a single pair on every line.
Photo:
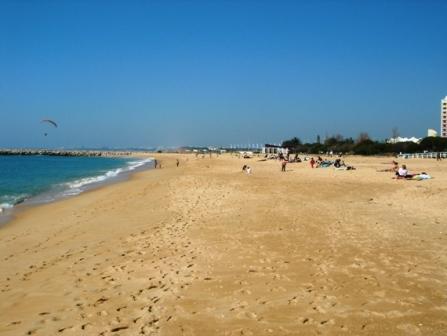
[435,144]
[292,143]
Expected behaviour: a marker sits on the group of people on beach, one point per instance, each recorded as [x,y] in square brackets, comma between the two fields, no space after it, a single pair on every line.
[402,172]
[338,164]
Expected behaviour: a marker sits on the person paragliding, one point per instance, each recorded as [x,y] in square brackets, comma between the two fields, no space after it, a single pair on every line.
[50,122]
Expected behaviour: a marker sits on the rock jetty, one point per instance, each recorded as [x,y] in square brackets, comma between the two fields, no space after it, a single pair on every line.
[53,152]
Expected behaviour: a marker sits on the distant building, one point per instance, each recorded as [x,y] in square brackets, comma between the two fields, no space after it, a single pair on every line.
[400,139]
[273,149]
[444,117]
[432,133]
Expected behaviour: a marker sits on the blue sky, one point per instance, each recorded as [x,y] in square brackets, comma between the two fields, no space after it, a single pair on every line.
[150,73]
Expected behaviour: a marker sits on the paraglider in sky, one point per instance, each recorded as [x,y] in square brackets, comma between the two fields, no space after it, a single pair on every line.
[50,122]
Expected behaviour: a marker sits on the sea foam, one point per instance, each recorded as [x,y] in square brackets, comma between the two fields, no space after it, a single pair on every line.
[71,188]
[77,186]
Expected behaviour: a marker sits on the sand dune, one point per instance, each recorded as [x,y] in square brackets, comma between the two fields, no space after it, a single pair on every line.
[204,249]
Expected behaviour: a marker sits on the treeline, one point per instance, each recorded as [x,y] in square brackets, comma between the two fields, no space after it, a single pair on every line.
[363,145]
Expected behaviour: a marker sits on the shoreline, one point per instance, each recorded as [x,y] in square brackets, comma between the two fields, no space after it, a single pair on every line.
[82,185]
[26,209]
[204,249]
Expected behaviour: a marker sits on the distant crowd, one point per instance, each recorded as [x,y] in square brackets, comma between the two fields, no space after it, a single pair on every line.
[400,172]
[338,163]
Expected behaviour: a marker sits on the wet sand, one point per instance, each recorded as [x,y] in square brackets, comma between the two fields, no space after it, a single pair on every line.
[204,249]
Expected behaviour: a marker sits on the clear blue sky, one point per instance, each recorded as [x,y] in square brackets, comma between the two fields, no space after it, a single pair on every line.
[148,73]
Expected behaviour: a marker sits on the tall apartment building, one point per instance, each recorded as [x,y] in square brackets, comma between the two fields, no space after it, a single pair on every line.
[444,117]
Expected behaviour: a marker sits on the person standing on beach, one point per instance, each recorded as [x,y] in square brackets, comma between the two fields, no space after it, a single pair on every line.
[438,156]
[312,162]
[178,163]
[283,165]
[155,164]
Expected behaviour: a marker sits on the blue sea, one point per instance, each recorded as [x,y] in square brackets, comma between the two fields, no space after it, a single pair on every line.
[41,179]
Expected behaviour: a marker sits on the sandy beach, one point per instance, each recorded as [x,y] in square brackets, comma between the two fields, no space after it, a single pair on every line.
[204,249]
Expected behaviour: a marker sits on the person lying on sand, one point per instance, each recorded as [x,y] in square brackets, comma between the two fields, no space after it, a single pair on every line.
[421,176]
[341,165]
[324,164]
[416,177]
[393,169]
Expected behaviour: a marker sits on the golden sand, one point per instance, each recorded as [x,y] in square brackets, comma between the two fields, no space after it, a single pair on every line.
[204,249]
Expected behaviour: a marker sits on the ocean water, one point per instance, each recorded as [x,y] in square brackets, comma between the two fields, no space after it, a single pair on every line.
[40,179]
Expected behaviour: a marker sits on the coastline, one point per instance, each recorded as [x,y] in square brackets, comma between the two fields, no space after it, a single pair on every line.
[76,187]
[204,249]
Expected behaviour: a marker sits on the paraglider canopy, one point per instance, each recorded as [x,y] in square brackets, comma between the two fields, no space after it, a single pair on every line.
[50,122]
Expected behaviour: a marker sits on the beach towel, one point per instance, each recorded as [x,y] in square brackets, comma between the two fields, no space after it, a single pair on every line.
[421,177]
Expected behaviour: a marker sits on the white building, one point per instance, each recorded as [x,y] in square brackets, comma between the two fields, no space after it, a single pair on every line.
[400,139]
[273,149]
[444,117]
[432,133]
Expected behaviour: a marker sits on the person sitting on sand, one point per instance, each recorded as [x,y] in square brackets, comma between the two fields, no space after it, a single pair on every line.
[246,169]
[318,162]
[402,173]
